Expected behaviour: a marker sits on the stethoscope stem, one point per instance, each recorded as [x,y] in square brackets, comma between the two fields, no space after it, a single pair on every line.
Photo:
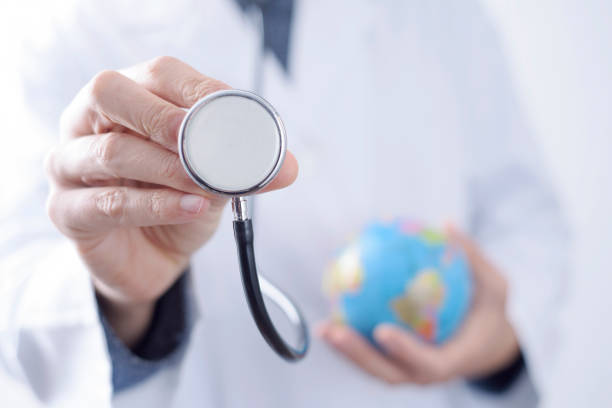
[254,285]
[239,208]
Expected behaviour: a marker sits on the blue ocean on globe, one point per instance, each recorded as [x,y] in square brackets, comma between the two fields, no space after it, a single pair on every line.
[402,273]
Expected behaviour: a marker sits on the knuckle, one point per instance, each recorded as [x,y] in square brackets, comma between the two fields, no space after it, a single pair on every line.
[106,149]
[156,119]
[111,203]
[100,82]
[52,208]
[49,163]
[193,89]
[155,205]
[157,65]
[170,166]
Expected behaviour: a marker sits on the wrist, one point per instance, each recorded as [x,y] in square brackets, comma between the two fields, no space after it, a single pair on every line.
[129,321]
[509,349]
[502,351]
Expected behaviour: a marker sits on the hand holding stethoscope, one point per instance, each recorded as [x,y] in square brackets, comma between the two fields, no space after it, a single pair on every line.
[119,191]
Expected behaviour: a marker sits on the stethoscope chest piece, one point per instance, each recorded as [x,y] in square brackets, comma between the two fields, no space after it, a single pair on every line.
[233,143]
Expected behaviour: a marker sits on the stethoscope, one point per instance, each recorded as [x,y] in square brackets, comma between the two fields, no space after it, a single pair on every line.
[233,143]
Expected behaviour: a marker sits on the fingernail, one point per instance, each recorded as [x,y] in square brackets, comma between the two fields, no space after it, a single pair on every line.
[337,336]
[321,330]
[382,334]
[192,203]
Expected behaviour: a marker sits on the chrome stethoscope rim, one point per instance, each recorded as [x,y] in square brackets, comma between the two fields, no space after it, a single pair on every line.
[184,156]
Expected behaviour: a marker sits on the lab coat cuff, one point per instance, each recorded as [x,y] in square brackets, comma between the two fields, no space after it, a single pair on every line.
[502,380]
[162,346]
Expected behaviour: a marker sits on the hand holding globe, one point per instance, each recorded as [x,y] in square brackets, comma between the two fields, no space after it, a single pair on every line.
[429,319]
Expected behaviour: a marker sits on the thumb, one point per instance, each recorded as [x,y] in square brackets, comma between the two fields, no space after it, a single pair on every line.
[485,274]
[479,264]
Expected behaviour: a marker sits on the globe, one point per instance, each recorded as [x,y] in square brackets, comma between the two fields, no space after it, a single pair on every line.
[402,273]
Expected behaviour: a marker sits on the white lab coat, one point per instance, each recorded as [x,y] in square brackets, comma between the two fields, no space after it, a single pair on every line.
[393,108]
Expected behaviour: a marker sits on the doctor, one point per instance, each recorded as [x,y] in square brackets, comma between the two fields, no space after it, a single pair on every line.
[393,109]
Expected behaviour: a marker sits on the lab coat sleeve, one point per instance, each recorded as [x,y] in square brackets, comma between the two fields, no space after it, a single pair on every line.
[519,226]
[52,346]
[164,343]
[515,216]
[52,350]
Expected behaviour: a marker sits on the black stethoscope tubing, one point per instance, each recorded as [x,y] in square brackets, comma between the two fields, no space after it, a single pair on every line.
[243,232]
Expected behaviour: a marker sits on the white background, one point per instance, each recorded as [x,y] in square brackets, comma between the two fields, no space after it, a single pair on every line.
[560,54]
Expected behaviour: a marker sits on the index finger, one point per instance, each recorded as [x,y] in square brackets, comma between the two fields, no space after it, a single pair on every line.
[484,272]
[426,363]
[112,100]
[357,349]
[174,80]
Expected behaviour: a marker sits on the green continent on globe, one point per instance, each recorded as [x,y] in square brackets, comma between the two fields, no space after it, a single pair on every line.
[344,275]
[418,306]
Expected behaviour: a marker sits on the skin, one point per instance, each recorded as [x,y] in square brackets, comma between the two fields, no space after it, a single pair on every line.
[119,192]
[485,343]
